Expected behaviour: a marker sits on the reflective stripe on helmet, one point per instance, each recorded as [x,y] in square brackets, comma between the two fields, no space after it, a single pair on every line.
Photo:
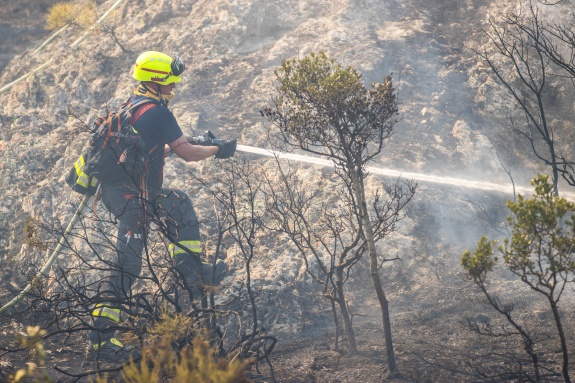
[193,246]
[158,67]
[154,71]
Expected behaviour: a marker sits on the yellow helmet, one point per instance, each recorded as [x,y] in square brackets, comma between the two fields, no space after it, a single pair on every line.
[158,67]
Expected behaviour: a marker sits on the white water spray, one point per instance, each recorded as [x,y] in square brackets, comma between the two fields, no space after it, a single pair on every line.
[424,178]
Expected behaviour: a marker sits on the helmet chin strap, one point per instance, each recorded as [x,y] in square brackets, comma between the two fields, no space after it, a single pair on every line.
[146,91]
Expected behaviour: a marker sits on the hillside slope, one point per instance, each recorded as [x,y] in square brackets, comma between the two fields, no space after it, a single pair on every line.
[454,123]
[231,49]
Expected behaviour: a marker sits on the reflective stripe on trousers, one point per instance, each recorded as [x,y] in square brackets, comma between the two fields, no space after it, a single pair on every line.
[114,341]
[182,246]
[176,211]
[111,313]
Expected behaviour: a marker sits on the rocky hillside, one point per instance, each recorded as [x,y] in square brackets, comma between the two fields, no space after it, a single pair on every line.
[232,49]
[454,115]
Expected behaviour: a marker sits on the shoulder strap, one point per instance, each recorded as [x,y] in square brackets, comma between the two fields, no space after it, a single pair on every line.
[141,110]
[146,104]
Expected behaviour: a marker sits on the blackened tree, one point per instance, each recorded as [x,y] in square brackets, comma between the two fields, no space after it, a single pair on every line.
[530,57]
[326,110]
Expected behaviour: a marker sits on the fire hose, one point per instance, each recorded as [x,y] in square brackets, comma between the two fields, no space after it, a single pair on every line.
[292,157]
[46,268]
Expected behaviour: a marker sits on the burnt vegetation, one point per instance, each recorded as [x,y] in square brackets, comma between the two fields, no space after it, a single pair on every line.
[220,331]
[253,208]
[172,323]
[530,57]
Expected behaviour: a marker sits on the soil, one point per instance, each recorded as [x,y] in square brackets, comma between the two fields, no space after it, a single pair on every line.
[430,300]
[21,25]
[432,341]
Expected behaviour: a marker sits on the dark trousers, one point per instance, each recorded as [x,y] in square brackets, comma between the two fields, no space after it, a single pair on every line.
[174,214]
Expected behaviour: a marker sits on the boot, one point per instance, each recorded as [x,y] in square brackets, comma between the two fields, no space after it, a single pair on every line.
[110,351]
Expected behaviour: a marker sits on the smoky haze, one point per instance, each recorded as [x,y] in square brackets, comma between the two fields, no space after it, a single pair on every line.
[454,137]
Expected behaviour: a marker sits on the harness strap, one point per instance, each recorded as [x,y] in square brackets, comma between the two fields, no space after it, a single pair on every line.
[141,110]
[147,105]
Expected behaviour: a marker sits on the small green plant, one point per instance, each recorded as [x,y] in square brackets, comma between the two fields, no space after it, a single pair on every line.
[197,363]
[31,235]
[81,15]
[72,13]
[32,342]
[171,328]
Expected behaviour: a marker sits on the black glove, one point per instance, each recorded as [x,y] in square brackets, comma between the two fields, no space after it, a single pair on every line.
[226,149]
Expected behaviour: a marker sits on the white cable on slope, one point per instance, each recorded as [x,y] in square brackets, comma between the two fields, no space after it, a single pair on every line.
[10,85]
[100,20]
[457,182]
[46,268]
[74,45]
[49,39]
[426,178]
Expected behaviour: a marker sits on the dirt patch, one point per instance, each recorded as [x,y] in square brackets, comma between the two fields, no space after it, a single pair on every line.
[21,26]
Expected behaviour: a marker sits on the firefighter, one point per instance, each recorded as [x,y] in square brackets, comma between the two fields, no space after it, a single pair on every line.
[134,204]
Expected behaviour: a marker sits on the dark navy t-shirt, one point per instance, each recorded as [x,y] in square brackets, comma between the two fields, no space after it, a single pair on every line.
[157,127]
